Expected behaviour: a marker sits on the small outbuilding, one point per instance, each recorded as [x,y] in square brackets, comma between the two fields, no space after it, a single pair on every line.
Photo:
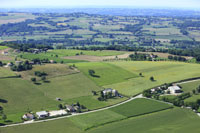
[70,108]
[42,114]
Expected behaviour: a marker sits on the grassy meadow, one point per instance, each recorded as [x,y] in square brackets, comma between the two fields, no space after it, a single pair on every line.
[49,56]
[86,52]
[163,72]
[3,47]
[175,120]
[107,73]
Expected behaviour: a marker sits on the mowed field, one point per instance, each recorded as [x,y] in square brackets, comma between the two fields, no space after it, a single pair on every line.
[163,72]
[107,73]
[86,52]
[130,109]
[169,121]
[188,87]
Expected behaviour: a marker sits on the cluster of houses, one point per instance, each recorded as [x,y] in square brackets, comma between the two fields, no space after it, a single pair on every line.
[113,92]
[45,114]
[37,51]
[172,90]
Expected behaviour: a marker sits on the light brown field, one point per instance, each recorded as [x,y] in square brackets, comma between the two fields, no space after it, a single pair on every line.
[53,70]
[97,58]
[15,18]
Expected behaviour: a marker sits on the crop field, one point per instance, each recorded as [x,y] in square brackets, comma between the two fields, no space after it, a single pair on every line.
[175,120]
[139,107]
[85,52]
[163,72]
[105,73]
[130,109]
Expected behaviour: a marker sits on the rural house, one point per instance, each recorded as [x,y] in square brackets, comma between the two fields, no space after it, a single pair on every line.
[5,53]
[174,89]
[112,91]
[42,114]
[70,108]
[28,116]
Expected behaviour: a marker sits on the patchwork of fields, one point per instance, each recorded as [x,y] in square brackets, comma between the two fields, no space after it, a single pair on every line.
[20,95]
[163,72]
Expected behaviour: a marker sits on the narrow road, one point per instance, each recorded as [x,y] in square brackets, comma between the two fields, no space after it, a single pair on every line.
[188,81]
[74,114]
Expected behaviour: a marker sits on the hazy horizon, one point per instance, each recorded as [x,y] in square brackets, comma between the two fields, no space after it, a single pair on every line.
[188,4]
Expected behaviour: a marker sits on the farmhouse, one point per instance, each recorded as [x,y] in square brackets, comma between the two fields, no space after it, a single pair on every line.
[18,62]
[28,116]
[112,91]
[42,114]
[70,108]
[174,89]
[5,53]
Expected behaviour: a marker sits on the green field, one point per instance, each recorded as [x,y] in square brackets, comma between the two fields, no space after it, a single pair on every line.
[170,121]
[108,73]
[52,70]
[174,120]
[3,47]
[6,72]
[58,126]
[92,103]
[48,56]
[163,72]
[139,106]
[188,87]
[85,52]
[68,87]
[130,109]
[22,95]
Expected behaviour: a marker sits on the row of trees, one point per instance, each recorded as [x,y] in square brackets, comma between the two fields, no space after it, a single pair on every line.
[177,58]
[22,67]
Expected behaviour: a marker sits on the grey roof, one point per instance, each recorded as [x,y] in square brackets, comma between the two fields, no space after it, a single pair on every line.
[42,113]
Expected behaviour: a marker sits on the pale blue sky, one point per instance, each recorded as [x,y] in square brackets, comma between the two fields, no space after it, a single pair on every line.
[74,3]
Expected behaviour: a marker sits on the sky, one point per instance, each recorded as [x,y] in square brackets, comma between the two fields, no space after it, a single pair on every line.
[83,3]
